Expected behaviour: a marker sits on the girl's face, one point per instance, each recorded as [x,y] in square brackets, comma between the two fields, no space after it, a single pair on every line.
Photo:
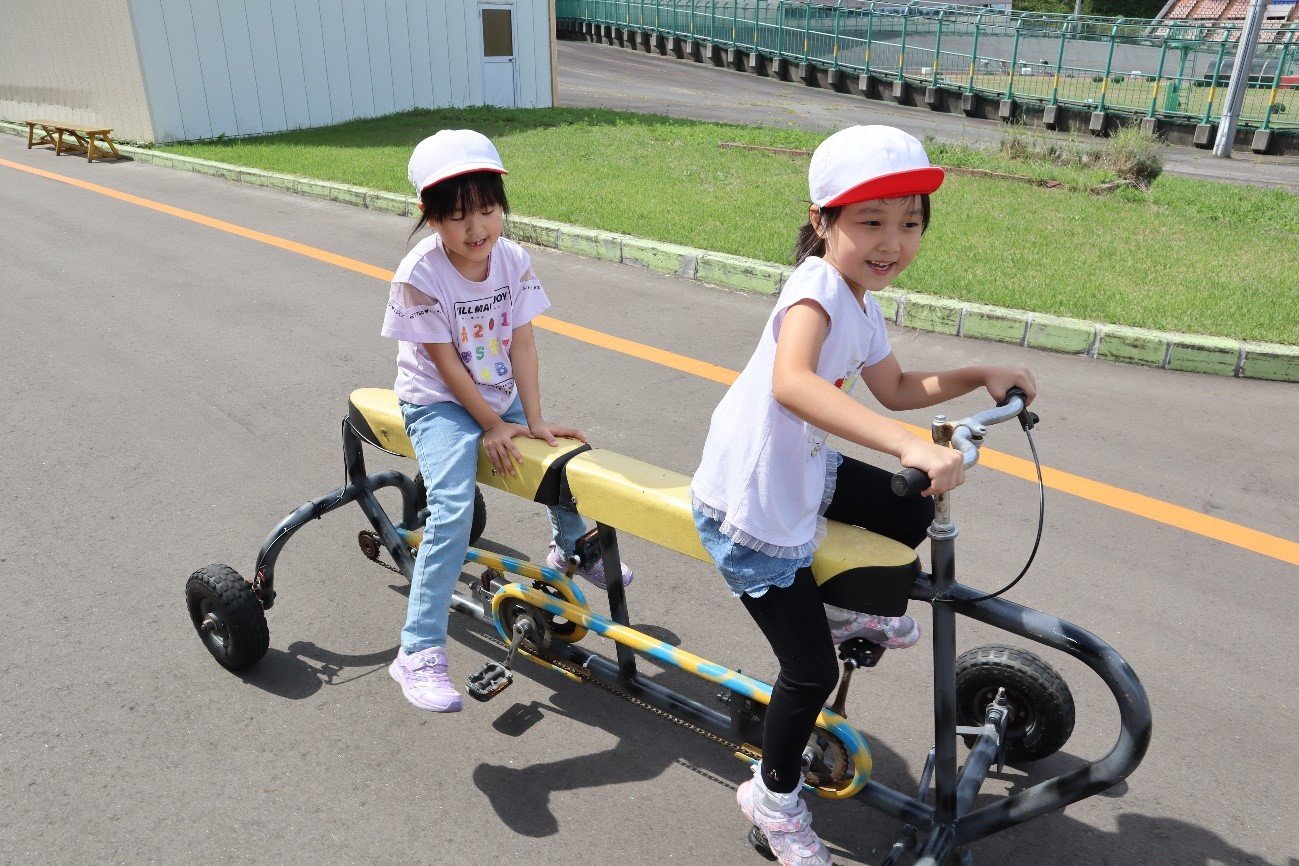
[468,237]
[872,241]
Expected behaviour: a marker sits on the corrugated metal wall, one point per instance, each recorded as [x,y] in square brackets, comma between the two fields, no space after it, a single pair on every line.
[241,67]
[74,62]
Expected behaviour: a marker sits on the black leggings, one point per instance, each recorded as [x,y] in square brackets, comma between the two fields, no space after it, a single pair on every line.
[793,620]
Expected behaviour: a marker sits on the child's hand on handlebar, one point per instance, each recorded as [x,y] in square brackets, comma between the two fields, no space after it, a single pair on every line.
[498,442]
[944,466]
[999,381]
[549,432]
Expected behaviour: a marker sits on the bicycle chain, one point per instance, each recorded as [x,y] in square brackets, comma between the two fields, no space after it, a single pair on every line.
[377,561]
[585,676]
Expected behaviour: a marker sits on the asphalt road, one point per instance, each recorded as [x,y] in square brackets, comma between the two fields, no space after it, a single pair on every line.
[604,76]
[174,390]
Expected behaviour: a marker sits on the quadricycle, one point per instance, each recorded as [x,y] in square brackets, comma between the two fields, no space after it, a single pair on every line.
[1004,702]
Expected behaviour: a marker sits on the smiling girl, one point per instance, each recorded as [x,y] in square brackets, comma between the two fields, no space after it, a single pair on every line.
[461,307]
[767,481]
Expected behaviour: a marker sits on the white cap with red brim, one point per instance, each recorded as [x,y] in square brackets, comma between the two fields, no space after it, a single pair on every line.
[451,153]
[862,163]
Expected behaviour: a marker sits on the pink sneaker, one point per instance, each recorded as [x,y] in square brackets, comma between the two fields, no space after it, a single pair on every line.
[894,632]
[593,572]
[785,821]
[424,681]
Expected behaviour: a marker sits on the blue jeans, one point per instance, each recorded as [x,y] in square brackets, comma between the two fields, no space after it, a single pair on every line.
[445,437]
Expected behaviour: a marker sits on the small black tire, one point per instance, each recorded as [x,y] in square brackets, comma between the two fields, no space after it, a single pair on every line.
[228,616]
[479,523]
[480,516]
[1042,707]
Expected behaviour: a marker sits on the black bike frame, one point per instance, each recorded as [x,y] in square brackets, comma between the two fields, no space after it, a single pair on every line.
[947,825]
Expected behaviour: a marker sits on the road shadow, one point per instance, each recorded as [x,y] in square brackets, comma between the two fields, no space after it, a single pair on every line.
[646,746]
[303,668]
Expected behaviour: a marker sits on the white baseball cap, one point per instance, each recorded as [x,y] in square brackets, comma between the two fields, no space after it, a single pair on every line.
[451,153]
[870,162]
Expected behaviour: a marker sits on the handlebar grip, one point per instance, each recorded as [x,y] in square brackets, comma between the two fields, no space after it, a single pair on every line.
[1028,420]
[909,482]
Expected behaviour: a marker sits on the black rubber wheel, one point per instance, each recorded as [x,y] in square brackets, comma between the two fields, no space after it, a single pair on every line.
[480,516]
[228,616]
[1041,705]
[480,508]
[758,840]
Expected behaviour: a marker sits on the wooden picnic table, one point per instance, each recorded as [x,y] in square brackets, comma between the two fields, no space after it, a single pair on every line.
[83,138]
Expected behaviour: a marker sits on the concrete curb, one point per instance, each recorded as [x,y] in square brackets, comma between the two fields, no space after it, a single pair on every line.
[1165,350]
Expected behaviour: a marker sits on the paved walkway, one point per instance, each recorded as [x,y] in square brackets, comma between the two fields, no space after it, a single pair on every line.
[602,76]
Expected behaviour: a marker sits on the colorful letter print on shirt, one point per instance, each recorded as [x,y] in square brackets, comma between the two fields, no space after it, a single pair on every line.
[481,323]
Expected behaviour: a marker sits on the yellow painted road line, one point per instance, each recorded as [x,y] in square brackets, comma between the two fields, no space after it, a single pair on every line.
[1084,488]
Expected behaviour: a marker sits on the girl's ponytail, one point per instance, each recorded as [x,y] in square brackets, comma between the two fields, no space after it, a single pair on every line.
[810,243]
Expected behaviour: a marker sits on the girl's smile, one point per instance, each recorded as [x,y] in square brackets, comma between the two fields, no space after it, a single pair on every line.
[468,238]
[873,241]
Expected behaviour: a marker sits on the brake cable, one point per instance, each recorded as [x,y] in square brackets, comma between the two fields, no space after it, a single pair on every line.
[1027,420]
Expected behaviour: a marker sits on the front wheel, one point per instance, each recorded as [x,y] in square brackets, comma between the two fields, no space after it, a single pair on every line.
[1041,705]
[228,616]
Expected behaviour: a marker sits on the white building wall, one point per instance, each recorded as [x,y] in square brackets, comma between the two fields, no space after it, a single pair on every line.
[74,62]
[242,67]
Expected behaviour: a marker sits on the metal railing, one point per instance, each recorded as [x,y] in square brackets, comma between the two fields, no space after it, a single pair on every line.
[1141,68]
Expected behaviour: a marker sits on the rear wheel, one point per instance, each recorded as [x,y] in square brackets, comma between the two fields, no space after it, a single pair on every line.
[228,616]
[480,516]
[480,508]
[1041,705]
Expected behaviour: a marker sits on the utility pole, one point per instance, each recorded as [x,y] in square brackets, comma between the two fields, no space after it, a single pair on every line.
[1239,79]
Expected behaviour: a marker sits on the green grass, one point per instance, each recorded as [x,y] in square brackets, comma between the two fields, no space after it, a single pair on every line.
[1188,255]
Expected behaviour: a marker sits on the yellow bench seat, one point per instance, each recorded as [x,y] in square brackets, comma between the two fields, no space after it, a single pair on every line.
[854,568]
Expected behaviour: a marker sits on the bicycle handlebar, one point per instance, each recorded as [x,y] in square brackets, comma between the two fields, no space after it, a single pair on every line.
[967,436]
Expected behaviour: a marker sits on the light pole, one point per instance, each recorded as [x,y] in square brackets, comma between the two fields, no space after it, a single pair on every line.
[1239,79]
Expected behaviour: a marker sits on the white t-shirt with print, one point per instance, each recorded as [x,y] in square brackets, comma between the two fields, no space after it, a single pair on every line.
[430,302]
[763,471]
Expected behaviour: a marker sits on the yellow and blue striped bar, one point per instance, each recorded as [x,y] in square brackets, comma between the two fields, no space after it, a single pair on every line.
[853,742]
[553,577]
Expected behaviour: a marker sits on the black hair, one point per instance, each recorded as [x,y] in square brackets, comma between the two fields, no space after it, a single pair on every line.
[465,192]
[810,243]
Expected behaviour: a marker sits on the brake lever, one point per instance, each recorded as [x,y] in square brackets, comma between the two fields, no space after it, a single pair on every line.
[1027,420]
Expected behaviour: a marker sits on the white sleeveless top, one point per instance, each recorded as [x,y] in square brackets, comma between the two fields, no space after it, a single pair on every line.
[764,471]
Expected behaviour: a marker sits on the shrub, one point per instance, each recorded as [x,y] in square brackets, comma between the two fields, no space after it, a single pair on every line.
[1097,79]
[1134,155]
[1117,79]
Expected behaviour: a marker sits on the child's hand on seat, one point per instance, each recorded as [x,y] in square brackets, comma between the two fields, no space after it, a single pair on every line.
[549,432]
[498,442]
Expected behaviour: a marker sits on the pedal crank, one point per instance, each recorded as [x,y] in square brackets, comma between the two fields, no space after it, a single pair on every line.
[856,653]
[494,677]
[529,630]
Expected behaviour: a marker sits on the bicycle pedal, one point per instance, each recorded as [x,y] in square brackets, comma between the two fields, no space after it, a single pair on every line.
[861,652]
[490,680]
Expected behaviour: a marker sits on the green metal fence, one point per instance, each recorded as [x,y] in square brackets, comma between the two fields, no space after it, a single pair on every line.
[1142,68]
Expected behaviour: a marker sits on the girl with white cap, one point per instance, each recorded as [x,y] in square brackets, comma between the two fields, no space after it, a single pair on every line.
[768,481]
[461,306]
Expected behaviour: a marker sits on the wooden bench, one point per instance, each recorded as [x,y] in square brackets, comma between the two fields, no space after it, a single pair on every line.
[84,139]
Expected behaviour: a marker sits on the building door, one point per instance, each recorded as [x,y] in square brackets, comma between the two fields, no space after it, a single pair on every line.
[498,56]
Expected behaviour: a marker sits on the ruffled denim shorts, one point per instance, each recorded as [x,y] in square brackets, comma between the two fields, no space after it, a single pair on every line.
[747,571]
